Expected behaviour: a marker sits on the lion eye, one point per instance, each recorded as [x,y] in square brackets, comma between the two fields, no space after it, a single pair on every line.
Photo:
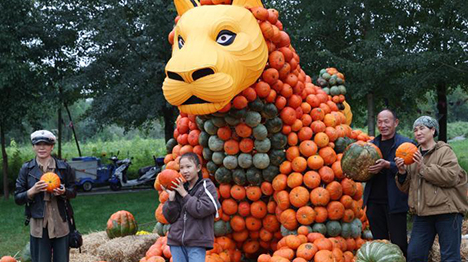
[181,42]
[225,37]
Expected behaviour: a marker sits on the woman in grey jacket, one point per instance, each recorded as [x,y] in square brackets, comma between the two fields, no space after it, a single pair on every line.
[191,210]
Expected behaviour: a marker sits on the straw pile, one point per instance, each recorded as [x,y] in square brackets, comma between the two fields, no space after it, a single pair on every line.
[98,247]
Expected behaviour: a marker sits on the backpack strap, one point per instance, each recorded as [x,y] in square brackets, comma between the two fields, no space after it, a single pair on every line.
[212,198]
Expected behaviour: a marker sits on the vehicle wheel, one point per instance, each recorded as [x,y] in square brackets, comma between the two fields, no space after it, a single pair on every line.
[115,187]
[87,186]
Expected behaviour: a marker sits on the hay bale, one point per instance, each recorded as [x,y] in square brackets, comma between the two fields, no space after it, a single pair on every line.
[91,242]
[82,257]
[126,249]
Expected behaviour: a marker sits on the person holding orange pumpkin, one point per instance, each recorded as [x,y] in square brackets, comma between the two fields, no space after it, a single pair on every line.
[46,195]
[191,209]
[386,206]
[437,188]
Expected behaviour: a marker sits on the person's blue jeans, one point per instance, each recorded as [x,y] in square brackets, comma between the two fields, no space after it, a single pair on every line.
[42,248]
[188,254]
[425,228]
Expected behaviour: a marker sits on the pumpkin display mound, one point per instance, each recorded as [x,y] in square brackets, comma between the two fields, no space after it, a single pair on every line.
[406,151]
[52,180]
[121,223]
[273,150]
[357,158]
[379,251]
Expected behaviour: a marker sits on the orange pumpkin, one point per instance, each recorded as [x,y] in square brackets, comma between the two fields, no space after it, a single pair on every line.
[52,180]
[305,215]
[406,151]
[319,196]
[167,176]
[306,251]
[299,196]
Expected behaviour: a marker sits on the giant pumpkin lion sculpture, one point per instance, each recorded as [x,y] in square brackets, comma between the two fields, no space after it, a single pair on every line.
[269,138]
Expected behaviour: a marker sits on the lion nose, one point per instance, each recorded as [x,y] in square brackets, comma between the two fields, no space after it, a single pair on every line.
[202,73]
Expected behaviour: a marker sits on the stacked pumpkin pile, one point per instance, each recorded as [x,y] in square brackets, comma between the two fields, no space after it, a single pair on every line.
[332,82]
[274,153]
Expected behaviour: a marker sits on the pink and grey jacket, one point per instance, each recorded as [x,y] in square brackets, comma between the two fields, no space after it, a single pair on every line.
[192,217]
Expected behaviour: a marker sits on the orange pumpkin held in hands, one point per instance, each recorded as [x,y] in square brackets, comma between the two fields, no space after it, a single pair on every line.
[406,151]
[52,180]
[167,176]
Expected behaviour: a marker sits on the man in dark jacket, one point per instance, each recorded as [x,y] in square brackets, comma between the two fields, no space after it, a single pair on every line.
[386,204]
[46,212]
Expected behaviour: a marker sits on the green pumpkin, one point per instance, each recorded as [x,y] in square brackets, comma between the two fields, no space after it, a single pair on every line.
[379,251]
[357,159]
[238,113]
[223,175]
[207,153]
[158,228]
[326,90]
[261,160]
[200,122]
[219,121]
[215,144]
[253,118]
[210,128]
[121,223]
[342,143]
[367,234]
[342,89]
[256,105]
[333,228]
[262,146]
[326,76]
[334,91]
[254,176]
[319,228]
[270,173]
[232,121]
[218,157]
[230,162]
[274,125]
[245,160]
[171,143]
[278,141]
[277,157]
[220,228]
[287,232]
[269,111]
[346,230]
[211,167]
[239,177]
[260,132]
[203,139]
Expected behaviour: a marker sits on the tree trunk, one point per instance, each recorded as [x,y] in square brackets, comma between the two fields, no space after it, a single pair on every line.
[170,115]
[6,192]
[370,114]
[59,127]
[73,128]
[442,108]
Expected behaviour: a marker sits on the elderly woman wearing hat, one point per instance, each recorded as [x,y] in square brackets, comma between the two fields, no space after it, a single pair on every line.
[46,212]
[437,188]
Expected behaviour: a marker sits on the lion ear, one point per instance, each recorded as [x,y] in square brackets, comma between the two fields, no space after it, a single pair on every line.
[248,3]
[183,6]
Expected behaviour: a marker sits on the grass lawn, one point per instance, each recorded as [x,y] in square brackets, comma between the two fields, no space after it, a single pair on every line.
[461,150]
[91,214]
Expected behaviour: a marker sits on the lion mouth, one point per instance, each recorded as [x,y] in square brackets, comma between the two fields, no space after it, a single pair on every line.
[193,100]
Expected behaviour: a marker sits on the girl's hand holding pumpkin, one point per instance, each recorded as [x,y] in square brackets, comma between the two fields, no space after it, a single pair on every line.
[179,187]
[171,193]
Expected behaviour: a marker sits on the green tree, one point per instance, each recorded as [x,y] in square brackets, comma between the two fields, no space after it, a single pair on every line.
[19,87]
[359,39]
[437,43]
[127,49]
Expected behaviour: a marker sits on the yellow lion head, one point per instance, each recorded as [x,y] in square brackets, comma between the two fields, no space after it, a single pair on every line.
[218,51]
